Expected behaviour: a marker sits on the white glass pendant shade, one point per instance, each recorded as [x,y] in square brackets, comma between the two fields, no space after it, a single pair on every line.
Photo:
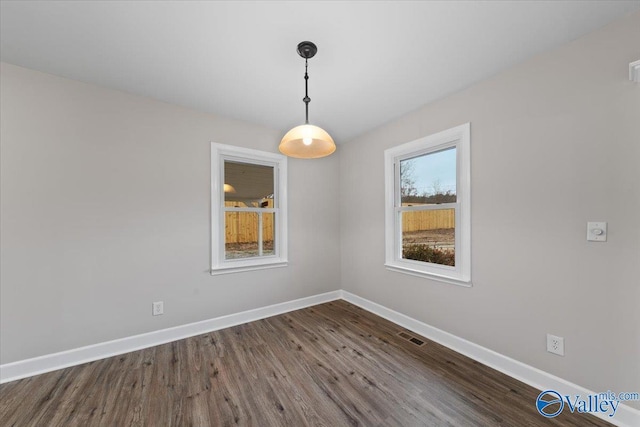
[307,142]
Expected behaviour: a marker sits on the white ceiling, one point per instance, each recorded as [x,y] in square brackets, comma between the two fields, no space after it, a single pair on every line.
[376,60]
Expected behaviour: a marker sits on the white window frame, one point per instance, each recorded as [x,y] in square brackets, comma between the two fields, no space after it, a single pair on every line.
[460,138]
[219,154]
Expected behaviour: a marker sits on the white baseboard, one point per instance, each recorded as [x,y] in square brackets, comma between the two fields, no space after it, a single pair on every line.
[624,417]
[51,362]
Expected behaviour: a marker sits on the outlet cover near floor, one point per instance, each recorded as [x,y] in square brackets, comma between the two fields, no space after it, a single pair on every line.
[555,345]
[158,308]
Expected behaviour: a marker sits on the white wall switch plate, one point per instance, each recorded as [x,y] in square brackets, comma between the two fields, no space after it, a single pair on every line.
[157,308]
[634,71]
[555,345]
[597,231]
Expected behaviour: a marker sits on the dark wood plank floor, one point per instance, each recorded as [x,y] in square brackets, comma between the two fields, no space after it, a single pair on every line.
[329,365]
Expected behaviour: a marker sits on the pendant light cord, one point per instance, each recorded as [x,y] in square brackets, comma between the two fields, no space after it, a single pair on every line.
[306,98]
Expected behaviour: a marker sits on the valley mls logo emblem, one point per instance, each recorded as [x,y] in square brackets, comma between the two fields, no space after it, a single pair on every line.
[549,403]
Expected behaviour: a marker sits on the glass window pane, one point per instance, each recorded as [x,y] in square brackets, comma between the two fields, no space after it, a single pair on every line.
[248,185]
[429,236]
[268,233]
[429,179]
[241,235]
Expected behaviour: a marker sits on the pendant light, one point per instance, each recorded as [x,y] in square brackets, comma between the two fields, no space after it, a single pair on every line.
[307,141]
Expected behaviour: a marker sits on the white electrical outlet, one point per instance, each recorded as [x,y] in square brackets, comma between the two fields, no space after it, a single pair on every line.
[555,345]
[158,308]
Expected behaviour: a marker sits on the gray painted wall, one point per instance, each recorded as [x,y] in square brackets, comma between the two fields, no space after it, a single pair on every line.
[555,142]
[105,208]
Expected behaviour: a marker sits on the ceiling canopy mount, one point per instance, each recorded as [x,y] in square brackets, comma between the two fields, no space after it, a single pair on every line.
[307,49]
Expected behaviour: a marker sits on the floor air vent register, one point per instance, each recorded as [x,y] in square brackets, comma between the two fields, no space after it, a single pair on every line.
[407,336]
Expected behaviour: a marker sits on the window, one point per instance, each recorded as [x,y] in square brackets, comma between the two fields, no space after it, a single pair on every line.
[248,209]
[427,207]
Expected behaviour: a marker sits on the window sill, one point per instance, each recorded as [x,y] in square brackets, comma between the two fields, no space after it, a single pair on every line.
[239,269]
[432,276]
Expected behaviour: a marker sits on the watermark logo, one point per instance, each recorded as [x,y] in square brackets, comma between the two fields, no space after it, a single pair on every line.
[550,403]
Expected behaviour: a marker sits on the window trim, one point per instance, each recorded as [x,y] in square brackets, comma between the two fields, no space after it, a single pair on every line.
[459,137]
[219,154]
